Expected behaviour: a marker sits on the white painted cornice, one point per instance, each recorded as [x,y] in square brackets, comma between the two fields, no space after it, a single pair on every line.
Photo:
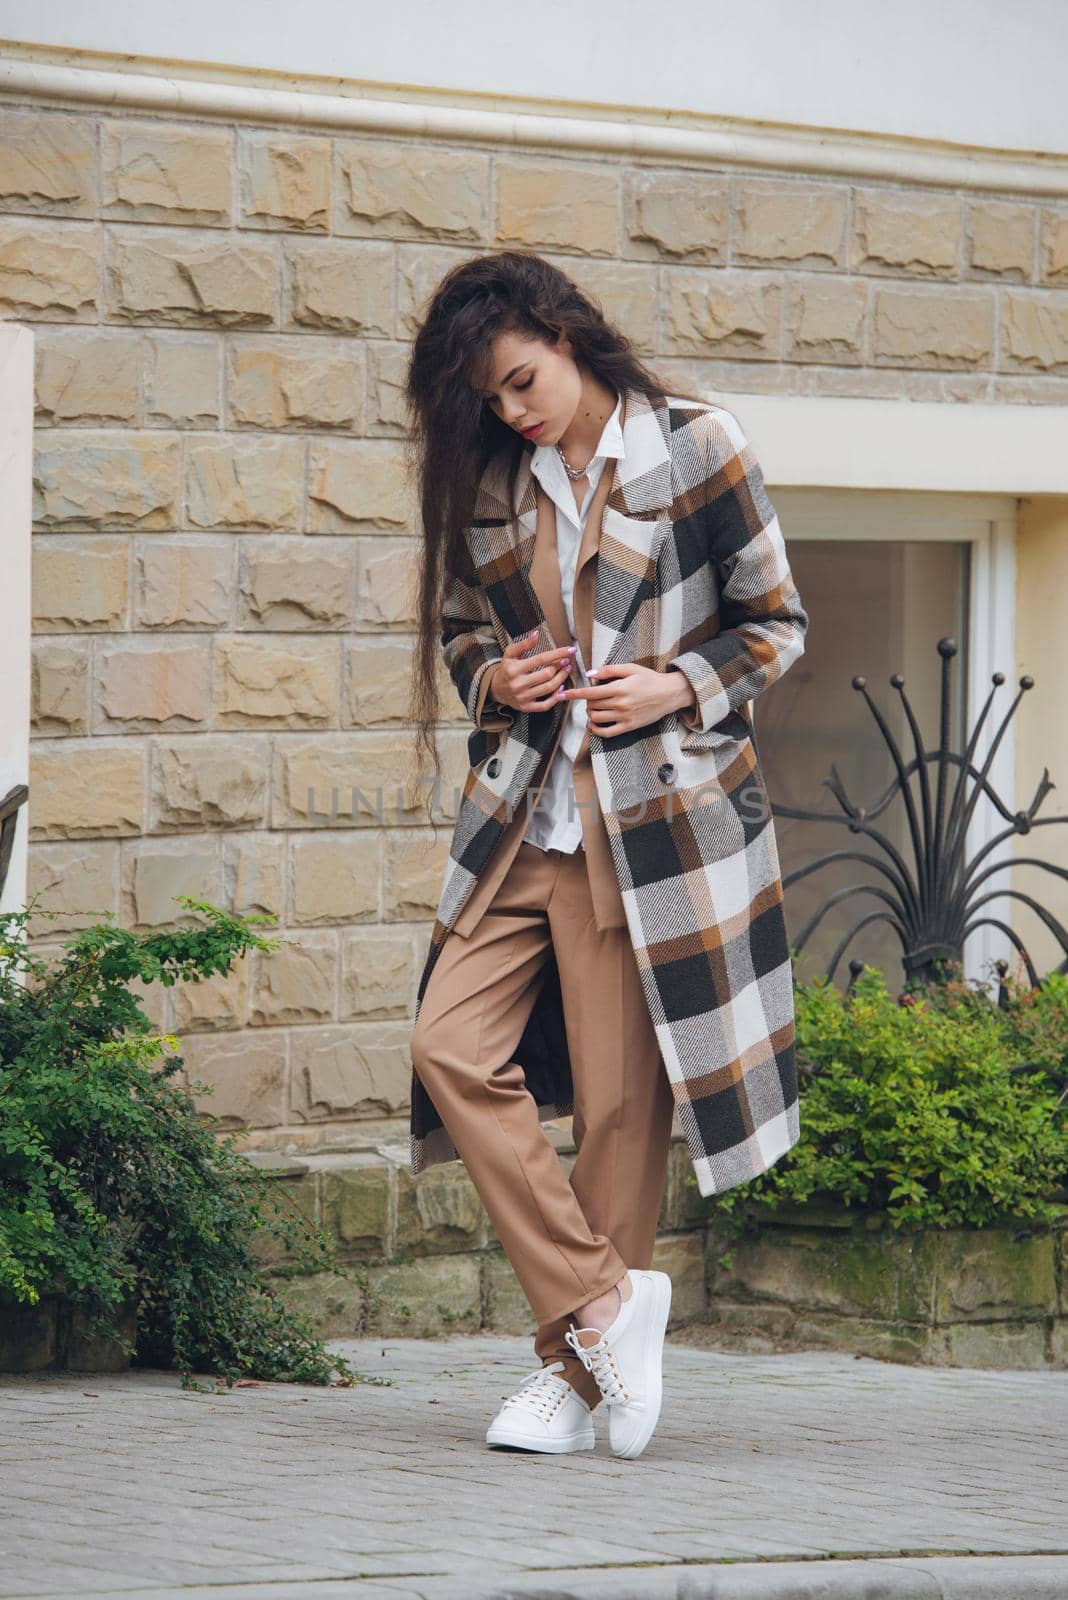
[638,135]
[842,442]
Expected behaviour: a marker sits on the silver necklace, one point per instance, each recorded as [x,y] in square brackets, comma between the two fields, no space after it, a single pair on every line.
[572,472]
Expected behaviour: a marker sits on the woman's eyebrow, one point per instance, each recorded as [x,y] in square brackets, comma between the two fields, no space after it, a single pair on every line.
[509,375]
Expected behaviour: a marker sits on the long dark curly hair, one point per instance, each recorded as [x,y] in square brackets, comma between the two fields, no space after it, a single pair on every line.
[452,432]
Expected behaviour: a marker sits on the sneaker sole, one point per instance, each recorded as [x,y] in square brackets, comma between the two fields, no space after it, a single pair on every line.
[556,1447]
[654,1357]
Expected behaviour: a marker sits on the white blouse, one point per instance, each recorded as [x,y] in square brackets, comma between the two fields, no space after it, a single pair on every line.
[555,820]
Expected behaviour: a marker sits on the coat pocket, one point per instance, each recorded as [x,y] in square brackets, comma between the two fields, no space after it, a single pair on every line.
[482,743]
[733,729]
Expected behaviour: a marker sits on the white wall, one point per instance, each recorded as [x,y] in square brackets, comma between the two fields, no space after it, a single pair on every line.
[974,72]
[16,452]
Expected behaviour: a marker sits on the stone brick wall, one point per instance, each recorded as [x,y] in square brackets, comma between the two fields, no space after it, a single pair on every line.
[224,538]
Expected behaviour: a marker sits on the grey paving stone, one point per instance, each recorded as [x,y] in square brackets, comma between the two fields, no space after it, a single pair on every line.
[785,1477]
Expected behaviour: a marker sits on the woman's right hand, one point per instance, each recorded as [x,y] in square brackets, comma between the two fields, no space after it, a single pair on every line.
[528,682]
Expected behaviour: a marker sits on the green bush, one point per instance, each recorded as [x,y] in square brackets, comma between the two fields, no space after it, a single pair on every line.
[113,1188]
[937,1108]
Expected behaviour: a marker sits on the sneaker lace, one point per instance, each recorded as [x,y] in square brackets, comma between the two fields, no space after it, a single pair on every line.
[601,1361]
[541,1392]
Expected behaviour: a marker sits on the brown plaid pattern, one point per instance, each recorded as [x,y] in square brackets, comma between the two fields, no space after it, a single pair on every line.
[692,574]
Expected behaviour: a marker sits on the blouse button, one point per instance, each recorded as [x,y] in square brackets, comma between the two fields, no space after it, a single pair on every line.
[493,767]
[666,773]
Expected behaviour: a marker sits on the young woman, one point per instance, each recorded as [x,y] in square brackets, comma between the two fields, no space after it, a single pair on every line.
[606,582]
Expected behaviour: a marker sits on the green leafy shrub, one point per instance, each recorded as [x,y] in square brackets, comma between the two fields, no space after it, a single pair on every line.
[937,1108]
[113,1188]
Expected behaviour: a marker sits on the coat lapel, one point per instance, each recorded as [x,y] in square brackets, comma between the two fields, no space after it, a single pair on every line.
[628,519]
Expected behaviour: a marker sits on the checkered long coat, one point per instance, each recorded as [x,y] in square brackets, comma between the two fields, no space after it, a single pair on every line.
[692,571]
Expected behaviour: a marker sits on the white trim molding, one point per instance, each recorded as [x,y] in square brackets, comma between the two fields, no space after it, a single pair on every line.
[638,134]
[844,443]
[16,491]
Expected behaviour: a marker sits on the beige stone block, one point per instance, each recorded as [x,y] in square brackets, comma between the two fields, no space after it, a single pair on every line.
[245,1075]
[355,1190]
[219,1001]
[347,288]
[411,191]
[377,673]
[1029,389]
[506,1308]
[1034,330]
[624,292]
[87,479]
[414,871]
[1001,239]
[386,578]
[254,874]
[558,204]
[387,366]
[287,584]
[183,582]
[331,1302]
[165,172]
[342,780]
[377,974]
[933,328]
[154,685]
[683,216]
[86,788]
[1054,246]
[82,583]
[160,276]
[87,377]
[721,313]
[424,1299]
[276,683]
[284,181]
[297,383]
[438,1212]
[420,268]
[153,1000]
[209,781]
[681,1256]
[47,162]
[238,482]
[156,871]
[356,485]
[335,879]
[49,271]
[794,223]
[75,884]
[907,232]
[824,319]
[59,686]
[361,1071]
[295,983]
[182,380]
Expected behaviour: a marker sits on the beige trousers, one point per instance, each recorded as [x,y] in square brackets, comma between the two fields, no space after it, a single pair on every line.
[569,1237]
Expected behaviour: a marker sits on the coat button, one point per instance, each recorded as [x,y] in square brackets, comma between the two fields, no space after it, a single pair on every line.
[666,773]
[493,767]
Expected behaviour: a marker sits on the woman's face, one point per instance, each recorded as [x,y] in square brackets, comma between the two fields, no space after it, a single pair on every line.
[533,385]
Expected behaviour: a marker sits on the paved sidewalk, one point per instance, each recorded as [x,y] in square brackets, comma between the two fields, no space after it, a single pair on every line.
[770,1477]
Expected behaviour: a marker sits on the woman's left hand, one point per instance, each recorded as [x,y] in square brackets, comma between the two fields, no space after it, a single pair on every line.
[625,696]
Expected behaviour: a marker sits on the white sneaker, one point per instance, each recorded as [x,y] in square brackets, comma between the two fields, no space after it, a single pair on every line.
[545,1413]
[626,1360]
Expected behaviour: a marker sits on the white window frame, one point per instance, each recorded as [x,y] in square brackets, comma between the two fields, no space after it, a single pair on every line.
[987,525]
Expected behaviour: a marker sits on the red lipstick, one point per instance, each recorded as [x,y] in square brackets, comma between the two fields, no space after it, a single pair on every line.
[531,433]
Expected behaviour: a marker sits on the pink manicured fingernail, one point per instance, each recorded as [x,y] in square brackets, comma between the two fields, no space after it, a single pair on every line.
[560,695]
